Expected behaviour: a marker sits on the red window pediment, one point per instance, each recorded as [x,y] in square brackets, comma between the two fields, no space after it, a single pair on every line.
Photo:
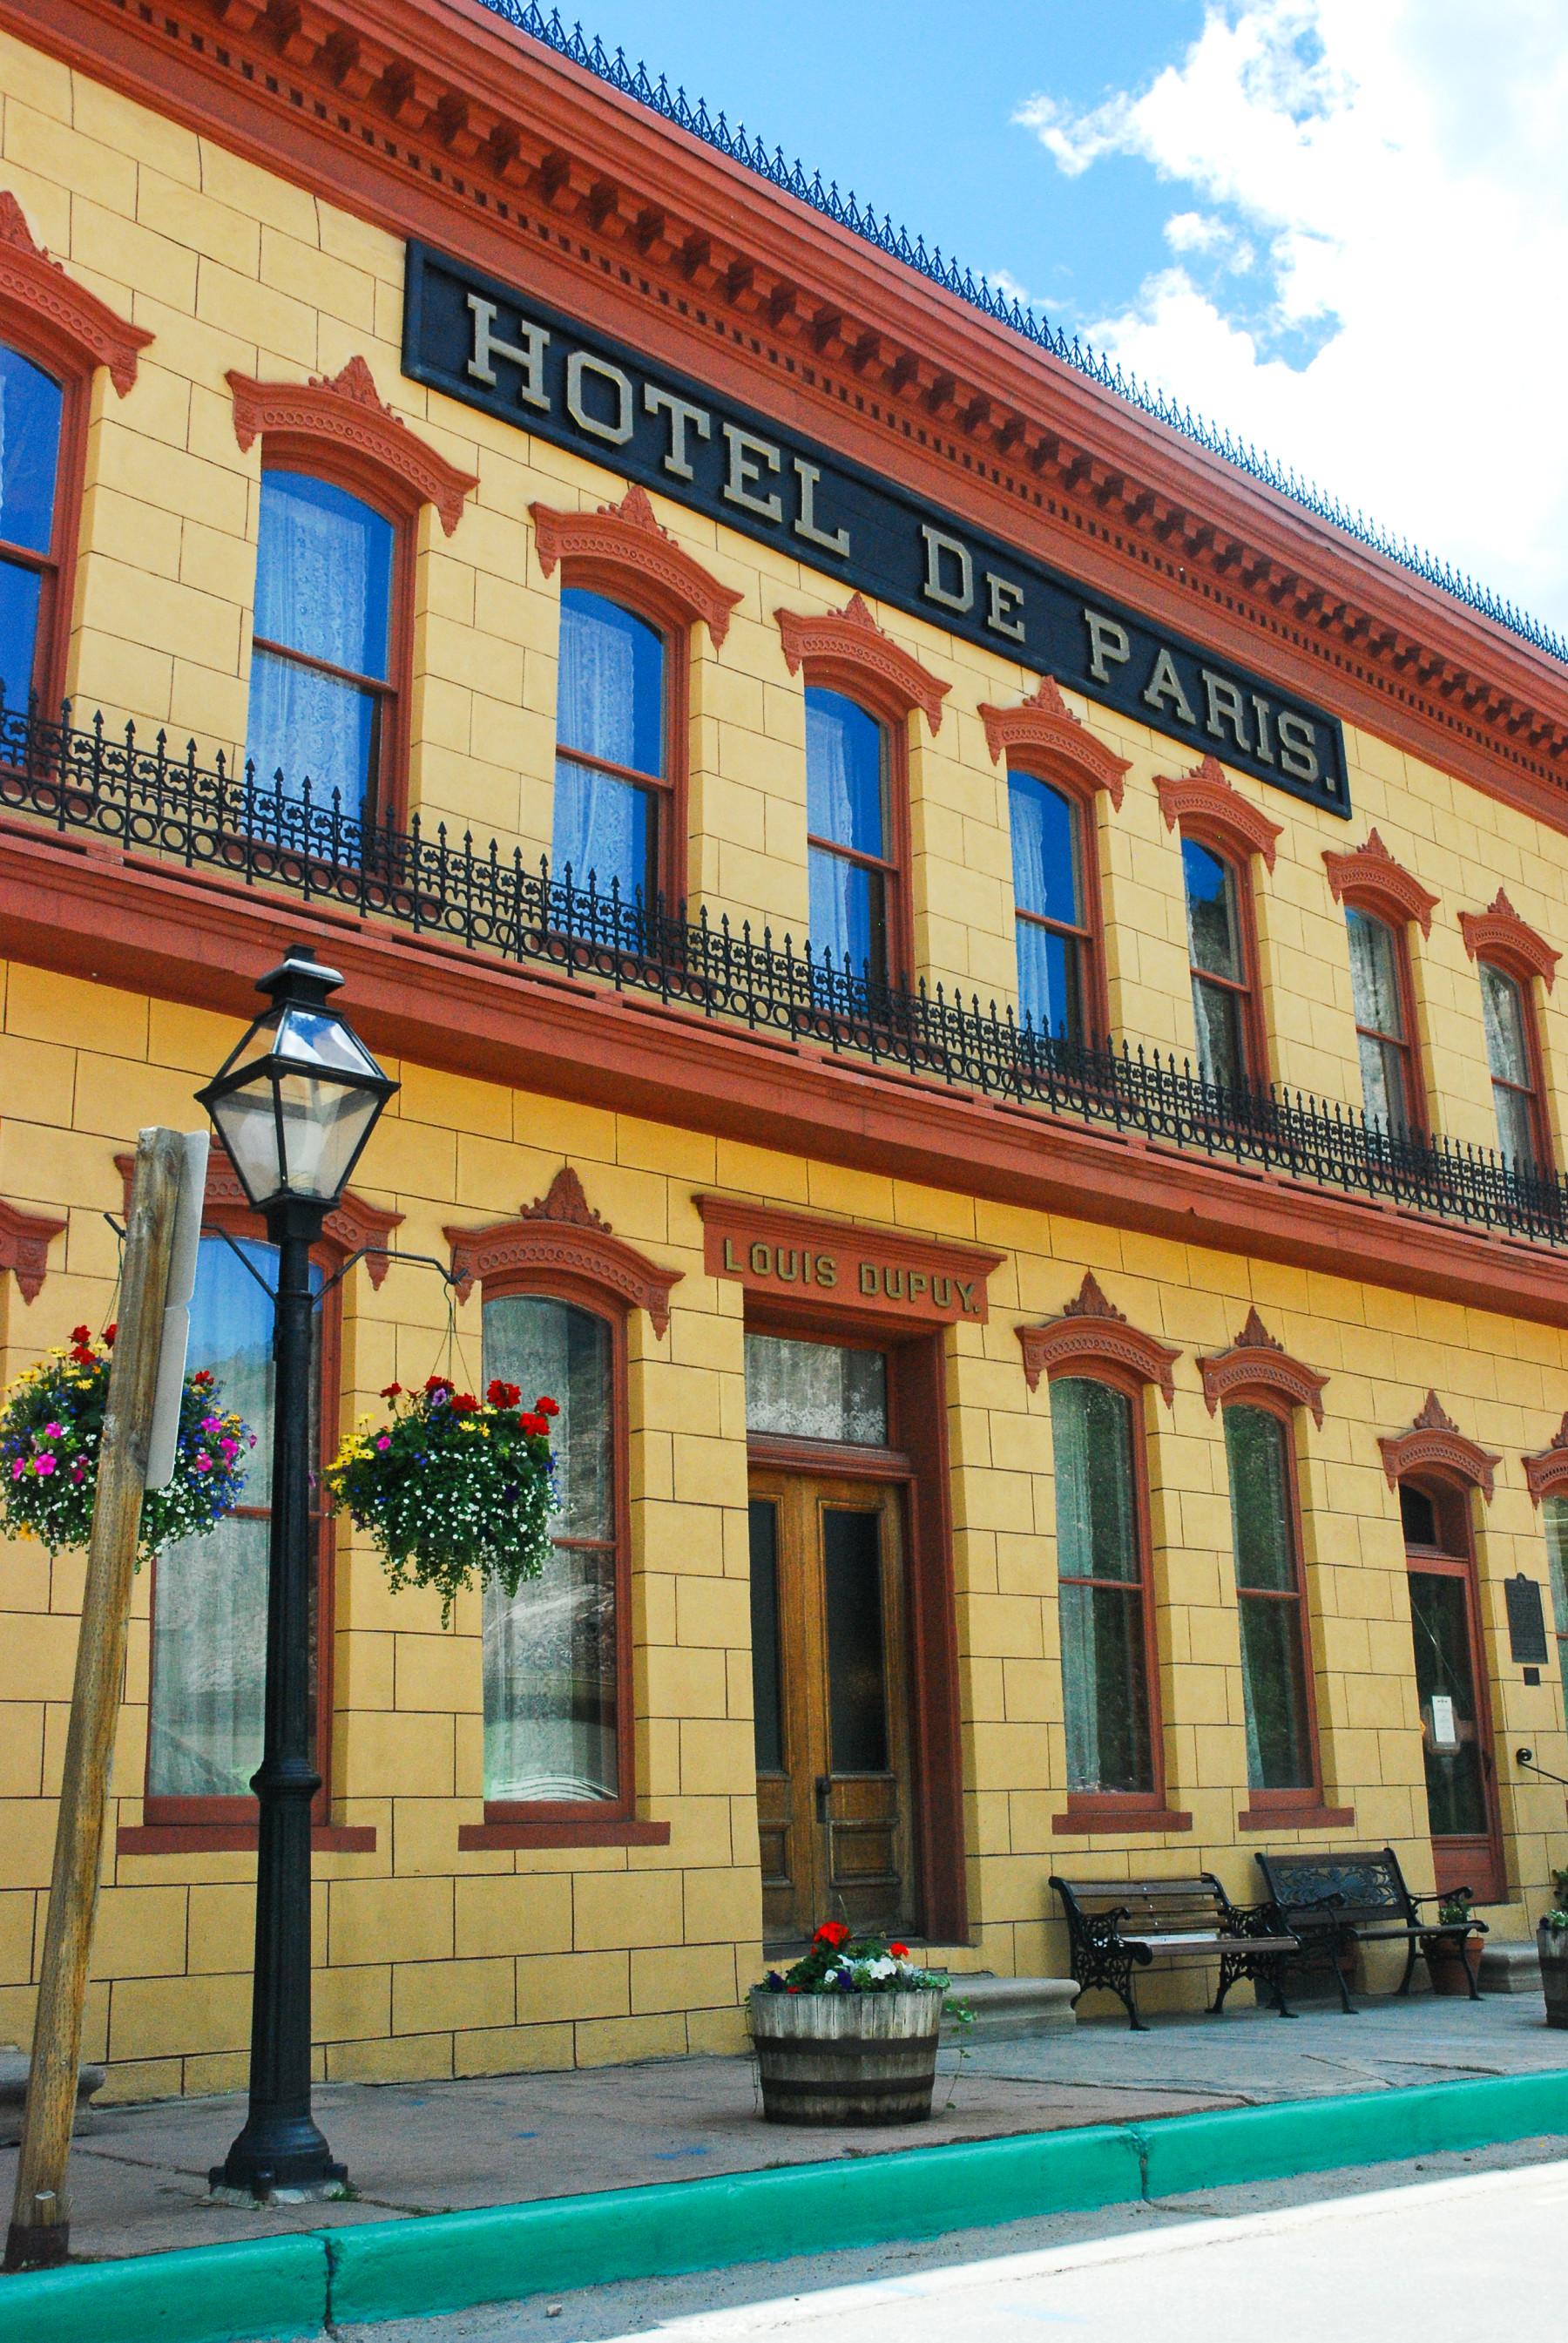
[1256,1363]
[1435,1443]
[1499,934]
[363,440]
[1044,727]
[845,650]
[72,324]
[1204,803]
[560,1234]
[624,549]
[1092,1334]
[24,1240]
[1370,879]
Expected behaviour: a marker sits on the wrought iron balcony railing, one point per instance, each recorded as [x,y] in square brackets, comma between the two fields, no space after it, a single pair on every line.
[212,819]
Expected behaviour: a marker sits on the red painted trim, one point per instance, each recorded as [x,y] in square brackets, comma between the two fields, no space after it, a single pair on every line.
[733,1228]
[29,325]
[1099,1815]
[845,650]
[354,1221]
[190,938]
[1546,1472]
[837,1460]
[1268,1811]
[559,1233]
[1203,805]
[83,331]
[623,547]
[1499,934]
[344,413]
[1092,1334]
[1054,743]
[24,1241]
[1435,1443]
[439,121]
[1257,1363]
[507,1832]
[917,1380]
[1372,880]
[236,1837]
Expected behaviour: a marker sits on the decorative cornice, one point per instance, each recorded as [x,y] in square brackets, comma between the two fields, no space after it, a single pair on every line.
[81,327]
[559,1232]
[1435,1442]
[629,537]
[1499,934]
[849,645]
[353,1223]
[1091,1331]
[1371,879]
[1546,1472]
[1045,723]
[1256,1362]
[1206,797]
[24,1241]
[345,411]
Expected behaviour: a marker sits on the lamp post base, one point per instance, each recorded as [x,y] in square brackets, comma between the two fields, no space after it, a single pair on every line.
[277,2161]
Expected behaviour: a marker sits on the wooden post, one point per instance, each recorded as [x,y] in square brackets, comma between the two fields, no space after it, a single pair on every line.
[40,2223]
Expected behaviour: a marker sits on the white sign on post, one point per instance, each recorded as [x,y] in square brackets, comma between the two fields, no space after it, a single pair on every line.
[1445,1731]
[166,1424]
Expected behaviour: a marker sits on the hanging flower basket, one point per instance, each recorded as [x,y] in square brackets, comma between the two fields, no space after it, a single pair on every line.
[452,1486]
[51,1429]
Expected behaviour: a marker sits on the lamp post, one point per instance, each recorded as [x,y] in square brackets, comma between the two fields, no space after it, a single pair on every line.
[293,1106]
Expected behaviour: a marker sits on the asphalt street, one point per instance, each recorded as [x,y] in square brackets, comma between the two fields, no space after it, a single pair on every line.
[1473,2243]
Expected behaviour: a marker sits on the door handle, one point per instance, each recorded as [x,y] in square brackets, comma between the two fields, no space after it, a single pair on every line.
[824,1792]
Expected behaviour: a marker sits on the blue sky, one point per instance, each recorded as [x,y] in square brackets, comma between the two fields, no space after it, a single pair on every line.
[1338,227]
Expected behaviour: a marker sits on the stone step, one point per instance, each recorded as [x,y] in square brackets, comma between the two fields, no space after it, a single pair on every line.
[14,2064]
[1009,2008]
[1510,1966]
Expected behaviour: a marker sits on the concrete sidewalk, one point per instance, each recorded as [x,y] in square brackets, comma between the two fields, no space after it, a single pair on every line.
[140,2180]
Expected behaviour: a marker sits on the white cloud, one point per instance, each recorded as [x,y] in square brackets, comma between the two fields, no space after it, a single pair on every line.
[1393,175]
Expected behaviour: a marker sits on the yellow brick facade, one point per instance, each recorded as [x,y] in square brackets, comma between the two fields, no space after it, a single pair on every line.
[433,1960]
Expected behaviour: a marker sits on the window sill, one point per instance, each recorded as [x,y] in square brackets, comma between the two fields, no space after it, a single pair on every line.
[625,1830]
[1093,1817]
[236,1839]
[1281,1818]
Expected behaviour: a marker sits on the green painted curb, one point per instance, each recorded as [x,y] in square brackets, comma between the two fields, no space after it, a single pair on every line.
[286,2286]
[388,2269]
[209,2293]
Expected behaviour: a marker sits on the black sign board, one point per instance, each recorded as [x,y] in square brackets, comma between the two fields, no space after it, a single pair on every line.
[1526,1621]
[498,349]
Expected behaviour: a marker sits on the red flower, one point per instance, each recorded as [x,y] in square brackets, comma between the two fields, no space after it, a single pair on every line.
[83,1355]
[392,1390]
[547,1406]
[899,1952]
[202,1379]
[534,1426]
[109,1333]
[502,1395]
[464,1403]
[439,1383]
[833,1933]
[81,1333]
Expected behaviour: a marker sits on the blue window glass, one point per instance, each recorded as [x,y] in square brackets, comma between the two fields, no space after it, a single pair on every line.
[31,404]
[610,747]
[319,701]
[1048,922]
[846,818]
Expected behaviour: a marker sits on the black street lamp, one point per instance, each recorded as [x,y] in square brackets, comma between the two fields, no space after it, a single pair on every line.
[294,1105]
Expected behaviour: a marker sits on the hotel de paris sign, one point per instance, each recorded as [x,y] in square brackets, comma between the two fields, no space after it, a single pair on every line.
[500,350]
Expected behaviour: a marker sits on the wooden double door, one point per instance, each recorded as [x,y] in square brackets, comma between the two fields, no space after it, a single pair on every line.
[828,1637]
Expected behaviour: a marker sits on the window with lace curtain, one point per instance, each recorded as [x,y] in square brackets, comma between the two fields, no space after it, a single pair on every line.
[554,1653]
[852,869]
[1101,1564]
[1050,909]
[33,406]
[1513,1056]
[612,766]
[323,696]
[1380,988]
[1221,951]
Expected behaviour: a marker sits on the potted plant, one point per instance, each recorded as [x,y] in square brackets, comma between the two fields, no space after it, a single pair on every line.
[51,1428]
[451,1485]
[1551,1943]
[1452,1961]
[849,2034]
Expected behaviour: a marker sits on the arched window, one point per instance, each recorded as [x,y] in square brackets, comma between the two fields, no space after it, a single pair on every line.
[1380,990]
[1513,1057]
[556,1680]
[856,908]
[35,407]
[1053,909]
[1103,1544]
[325,702]
[1220,951]
[1276,1663]
[613,786]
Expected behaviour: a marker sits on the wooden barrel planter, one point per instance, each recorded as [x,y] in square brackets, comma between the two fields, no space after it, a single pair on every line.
[1552,1945]
[846,2057]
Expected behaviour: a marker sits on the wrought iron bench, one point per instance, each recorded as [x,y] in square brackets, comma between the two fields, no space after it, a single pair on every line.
[1334,1902]
[1117,1926]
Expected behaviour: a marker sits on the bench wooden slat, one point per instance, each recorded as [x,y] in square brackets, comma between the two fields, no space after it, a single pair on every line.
[1116,1924]
[1357,1896]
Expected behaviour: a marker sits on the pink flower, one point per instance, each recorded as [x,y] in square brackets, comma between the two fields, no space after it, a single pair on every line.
[204,1462]
[43,1466]
[78,1471]
[210,1424]
[229,1450]
[52,1431]
[17,1469]
[385,1441]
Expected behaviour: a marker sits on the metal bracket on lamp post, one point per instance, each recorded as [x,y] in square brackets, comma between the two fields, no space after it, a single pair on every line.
[1525,1760]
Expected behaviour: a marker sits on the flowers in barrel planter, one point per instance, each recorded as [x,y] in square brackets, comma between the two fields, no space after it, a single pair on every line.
[452,1485]
[840,1962]
[51,1429]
